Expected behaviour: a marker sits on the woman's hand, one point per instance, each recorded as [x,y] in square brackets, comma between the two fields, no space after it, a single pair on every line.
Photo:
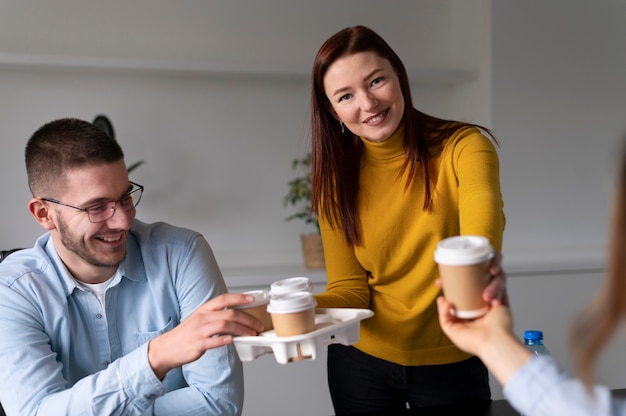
[471,334]
[496,288]
[489,337]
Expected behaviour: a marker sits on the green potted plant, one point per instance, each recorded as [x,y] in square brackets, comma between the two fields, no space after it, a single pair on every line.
[299,197]
[103,123]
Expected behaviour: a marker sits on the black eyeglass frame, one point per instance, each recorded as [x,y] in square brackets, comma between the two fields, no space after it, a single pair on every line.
[139,188]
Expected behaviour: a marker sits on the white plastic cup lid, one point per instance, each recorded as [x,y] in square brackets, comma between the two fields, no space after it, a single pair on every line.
[261,297]
[463,250]
[291,284]
[291,302]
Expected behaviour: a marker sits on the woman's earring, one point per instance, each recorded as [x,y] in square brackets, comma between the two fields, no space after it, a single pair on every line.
[343,127]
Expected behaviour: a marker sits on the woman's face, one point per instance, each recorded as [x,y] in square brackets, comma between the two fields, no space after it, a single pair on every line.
[364,93]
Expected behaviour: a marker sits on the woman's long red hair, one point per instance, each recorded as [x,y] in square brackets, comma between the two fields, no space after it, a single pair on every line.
[336,156]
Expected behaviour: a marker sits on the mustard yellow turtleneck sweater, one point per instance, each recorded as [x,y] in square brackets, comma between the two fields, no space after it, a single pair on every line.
[393,272]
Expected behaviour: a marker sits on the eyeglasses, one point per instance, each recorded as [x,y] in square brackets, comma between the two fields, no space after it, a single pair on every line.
[103,211]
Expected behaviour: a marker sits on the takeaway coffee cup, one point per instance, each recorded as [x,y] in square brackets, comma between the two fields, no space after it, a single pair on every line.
[258,308]
[463,267]
[292,313]
[291,284]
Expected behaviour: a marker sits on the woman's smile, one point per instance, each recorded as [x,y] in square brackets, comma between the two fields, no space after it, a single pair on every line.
[365,95]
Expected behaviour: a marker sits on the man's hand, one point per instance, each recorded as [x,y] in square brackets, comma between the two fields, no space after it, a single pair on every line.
[212,325]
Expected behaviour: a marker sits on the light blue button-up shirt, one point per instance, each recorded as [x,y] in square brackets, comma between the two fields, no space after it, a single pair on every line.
[60,353]
[541,388]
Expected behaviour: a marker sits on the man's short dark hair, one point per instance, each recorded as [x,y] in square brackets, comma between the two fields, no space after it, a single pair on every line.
[65,144]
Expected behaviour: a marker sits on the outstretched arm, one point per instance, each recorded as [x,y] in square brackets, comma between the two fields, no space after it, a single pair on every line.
[212,325]
[490,338]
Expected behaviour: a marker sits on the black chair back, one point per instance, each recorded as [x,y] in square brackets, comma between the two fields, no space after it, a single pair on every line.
[3,255]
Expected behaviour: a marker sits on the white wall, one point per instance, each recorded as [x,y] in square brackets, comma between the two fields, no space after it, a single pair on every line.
[559,105]
[559,108]
[218,148]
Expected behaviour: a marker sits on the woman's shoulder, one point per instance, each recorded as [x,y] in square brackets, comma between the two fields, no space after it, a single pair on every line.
[468,137]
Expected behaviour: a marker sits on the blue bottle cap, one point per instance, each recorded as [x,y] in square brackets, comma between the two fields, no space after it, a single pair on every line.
[533,335]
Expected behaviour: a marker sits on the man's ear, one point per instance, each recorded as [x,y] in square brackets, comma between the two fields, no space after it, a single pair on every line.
[41,212]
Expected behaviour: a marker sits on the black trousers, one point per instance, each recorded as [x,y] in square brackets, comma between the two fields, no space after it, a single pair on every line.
[364,385]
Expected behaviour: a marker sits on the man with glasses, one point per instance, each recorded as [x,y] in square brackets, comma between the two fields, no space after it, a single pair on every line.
[107,315]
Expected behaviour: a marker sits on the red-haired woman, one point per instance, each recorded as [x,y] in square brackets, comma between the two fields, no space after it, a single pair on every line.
[388,183]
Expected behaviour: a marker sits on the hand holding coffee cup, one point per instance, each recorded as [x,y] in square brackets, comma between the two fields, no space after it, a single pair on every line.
[464,271]
[258,308]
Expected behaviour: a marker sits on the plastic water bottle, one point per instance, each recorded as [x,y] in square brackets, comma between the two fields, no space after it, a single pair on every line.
[533,340]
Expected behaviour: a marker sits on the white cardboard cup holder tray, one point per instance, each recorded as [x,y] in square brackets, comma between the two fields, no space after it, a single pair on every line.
[332,326]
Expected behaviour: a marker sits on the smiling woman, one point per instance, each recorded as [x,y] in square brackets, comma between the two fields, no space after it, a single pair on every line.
[364,92]
[386,190]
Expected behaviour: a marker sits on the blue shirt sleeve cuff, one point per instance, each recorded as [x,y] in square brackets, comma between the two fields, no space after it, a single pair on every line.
[138,377]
